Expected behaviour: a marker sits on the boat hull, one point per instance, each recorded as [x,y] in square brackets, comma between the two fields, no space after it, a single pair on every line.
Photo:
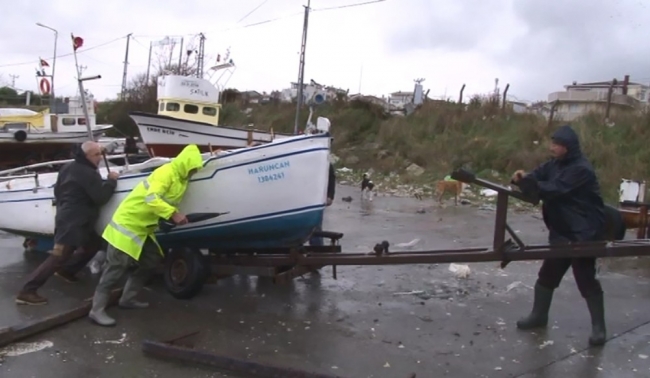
[166,136]
[274,194]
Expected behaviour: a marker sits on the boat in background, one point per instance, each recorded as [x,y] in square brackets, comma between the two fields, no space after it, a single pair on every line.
[27,138]
[274,195]
[188,113]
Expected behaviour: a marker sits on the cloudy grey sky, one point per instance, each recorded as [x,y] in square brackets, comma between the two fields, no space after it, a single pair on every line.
[535,45]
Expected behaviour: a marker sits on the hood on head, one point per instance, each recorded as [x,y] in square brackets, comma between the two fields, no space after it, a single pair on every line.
[565,136]
[188,159]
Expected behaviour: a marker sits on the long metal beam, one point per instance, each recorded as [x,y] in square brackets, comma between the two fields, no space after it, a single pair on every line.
[225,363]
[21,331]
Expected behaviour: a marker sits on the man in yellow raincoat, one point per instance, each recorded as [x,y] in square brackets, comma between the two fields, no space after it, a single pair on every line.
[130,233]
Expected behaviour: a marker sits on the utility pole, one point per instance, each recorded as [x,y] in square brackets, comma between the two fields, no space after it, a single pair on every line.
[13,80]
[180,58]
[149,62]
[199,61]
[301,68]
[126,63]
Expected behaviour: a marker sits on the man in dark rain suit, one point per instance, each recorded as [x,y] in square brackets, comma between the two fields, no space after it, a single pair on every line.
[573,211]
[79,192]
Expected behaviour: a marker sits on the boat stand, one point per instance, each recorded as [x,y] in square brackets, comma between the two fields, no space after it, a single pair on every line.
[283,265]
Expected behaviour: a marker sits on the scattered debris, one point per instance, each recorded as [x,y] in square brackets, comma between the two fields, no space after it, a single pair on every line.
[545,344]
[488,192]
[513,286]
[415,170]
[18,349]
[120,341]
[414,292]
[460,270]
[410,244]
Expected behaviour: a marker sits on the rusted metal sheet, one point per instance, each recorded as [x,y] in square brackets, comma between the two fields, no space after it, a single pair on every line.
[225,363]
[21,331]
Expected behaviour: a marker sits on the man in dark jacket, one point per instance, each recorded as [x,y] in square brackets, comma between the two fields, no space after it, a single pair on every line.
[573,211]
[79,193]
[331,188]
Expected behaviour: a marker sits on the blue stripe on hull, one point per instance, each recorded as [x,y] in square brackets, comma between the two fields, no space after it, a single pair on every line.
[284,231]
[287,230]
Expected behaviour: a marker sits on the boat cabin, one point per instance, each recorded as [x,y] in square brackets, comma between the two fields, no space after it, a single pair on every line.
[73,120]
[188,98]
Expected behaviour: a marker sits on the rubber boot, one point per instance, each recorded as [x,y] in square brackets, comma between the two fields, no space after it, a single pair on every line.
[134,284]
[539,316]
[596,306]
[98,311]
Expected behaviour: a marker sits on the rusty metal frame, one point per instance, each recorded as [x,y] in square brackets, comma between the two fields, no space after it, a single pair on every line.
[503,249]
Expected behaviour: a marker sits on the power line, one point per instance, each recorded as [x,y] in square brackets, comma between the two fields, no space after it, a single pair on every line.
[348,6]
[64,55]
[251,12]
[281,17]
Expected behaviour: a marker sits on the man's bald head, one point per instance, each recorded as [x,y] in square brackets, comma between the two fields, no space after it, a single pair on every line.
[92,151]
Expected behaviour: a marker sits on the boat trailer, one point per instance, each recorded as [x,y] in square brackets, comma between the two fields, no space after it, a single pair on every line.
[187,270]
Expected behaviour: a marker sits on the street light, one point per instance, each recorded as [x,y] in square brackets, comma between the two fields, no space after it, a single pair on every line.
[52,96]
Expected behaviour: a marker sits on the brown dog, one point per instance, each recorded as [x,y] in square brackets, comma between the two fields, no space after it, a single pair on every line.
[452,186]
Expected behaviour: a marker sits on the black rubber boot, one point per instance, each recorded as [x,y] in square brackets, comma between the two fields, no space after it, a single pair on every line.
[596,306]
[539,316]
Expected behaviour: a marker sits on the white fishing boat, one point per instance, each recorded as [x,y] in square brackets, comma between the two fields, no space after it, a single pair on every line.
[188,113]
[28,137]
[274,195]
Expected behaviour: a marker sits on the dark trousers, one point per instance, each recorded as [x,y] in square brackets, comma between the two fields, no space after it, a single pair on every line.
[66,259]
[584,271]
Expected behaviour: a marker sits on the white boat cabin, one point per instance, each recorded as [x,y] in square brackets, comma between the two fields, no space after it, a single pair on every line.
[188,98]
[74,120]
[71,121]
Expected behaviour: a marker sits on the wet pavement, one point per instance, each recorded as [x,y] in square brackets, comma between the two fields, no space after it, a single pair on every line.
[387,321]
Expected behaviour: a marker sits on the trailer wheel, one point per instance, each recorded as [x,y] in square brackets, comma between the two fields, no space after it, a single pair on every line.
[185,272]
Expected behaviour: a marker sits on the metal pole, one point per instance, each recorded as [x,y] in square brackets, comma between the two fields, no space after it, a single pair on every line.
[53,98]
[83,94]
[52,94]
[149,63]
[180,58]
[126,63]
[301,69]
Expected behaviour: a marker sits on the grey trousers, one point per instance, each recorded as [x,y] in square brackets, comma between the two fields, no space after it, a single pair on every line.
[119,264]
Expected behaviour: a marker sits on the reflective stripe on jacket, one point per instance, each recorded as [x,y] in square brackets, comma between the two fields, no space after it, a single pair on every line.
[158,196]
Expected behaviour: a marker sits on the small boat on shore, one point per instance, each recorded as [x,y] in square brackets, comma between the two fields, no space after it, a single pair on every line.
[274,195]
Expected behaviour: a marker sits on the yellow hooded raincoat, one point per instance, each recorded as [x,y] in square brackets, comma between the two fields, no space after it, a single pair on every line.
[158,196]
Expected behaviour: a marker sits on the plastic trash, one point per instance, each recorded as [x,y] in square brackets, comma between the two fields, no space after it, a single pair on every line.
[461,271]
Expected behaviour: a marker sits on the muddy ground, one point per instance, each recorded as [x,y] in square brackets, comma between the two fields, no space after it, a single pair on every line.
[387,321]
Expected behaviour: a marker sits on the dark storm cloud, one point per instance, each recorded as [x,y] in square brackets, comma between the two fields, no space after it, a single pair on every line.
[579,40]
[545,44]
[447,25]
